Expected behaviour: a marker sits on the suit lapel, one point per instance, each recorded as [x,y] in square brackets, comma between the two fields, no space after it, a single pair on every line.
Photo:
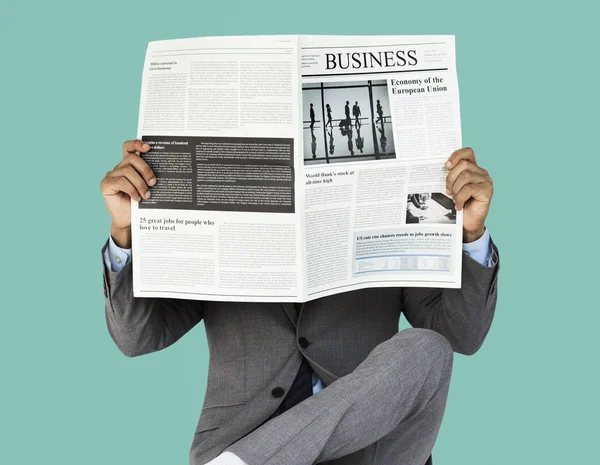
[290,310]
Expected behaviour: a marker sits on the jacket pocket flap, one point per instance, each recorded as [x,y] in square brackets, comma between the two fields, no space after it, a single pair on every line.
[215,416]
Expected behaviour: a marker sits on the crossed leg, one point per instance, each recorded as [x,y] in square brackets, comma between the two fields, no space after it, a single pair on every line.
[387,411]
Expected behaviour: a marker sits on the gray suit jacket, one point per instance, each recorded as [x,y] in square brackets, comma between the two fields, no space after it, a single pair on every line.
[254,347]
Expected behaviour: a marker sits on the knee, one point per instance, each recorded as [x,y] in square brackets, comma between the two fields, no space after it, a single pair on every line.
[429,346]
[429,338]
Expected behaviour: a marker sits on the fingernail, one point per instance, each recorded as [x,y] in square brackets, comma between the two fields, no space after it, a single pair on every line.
[448,164]
[145,146]
[147,194]
[448,191]
[152,181]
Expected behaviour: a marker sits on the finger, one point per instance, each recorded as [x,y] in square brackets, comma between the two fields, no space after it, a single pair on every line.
[131,174]
[463,165]
[466,153]
[142,167]
[132,146]
[480,192]
[115,185]
[467,177]
[464,195]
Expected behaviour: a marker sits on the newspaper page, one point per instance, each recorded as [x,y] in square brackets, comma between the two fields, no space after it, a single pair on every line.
[380,119]
[290,168]
[221,117]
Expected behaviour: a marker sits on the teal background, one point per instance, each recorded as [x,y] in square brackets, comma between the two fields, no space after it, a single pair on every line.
[70,78]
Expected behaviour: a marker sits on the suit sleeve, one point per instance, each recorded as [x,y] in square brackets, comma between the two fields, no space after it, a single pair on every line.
[140,326]
[464,315]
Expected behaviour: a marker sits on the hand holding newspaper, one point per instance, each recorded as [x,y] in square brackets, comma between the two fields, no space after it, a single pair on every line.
[290,168]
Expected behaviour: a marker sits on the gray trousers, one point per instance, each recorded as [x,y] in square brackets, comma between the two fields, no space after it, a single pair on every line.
[388,411]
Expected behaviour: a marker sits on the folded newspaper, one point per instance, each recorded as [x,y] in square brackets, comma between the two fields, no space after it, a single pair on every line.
[291,168]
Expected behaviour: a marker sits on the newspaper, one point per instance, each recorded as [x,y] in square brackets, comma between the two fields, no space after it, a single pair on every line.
[291,168]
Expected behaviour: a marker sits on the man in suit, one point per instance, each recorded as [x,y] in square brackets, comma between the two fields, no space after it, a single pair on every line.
[356,114]
[347,113]
[328,108]
[331,381]
[379,113]
[312,117]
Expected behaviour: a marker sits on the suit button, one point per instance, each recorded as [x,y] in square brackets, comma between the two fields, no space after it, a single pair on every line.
[277,392]
[303,342]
